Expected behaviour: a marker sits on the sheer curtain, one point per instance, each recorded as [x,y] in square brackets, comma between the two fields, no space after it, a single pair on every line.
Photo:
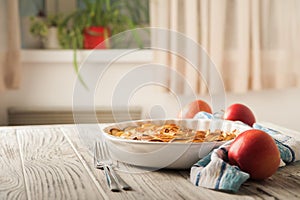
[254,44]
[10,45]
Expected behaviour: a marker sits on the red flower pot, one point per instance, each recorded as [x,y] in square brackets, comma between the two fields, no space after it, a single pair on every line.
[95,35]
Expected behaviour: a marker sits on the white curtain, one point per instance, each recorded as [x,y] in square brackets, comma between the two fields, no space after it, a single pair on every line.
[10,45]
[253,44]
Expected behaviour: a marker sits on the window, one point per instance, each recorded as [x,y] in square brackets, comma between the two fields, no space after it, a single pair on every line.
[136,10]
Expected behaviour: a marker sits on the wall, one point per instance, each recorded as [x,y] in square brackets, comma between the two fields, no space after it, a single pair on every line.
[48,81]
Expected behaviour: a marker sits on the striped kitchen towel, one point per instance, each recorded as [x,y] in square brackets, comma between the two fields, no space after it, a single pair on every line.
[214,172]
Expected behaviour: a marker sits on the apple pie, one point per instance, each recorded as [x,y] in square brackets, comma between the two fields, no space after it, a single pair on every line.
[171,133]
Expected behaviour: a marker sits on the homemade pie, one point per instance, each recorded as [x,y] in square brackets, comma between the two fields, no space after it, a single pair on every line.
[170,133]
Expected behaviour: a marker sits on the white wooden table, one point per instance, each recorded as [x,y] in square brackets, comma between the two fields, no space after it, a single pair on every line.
[53,162]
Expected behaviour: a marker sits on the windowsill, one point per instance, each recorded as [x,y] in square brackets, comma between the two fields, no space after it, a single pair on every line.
[99,56]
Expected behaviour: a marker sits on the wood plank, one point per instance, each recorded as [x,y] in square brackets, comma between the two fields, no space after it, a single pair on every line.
[11,174]
[169,184]
[87,156]
[52,170]
[163,184]
[284,184]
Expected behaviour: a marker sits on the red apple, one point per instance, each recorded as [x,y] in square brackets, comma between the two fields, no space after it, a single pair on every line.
[191,109]
[256,153]
[240,112]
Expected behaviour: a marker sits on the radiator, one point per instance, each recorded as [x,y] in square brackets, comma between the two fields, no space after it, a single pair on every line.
[41,116]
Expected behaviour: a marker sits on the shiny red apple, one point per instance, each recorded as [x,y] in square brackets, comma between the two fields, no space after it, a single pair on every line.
[240,112]
[256,153]
[191,109]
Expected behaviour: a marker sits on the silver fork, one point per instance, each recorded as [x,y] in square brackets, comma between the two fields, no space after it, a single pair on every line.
[102,161]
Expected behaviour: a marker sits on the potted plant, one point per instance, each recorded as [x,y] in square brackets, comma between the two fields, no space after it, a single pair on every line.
[46,28]
[89,26]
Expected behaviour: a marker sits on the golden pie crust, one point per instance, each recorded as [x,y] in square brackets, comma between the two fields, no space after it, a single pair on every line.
[171,133]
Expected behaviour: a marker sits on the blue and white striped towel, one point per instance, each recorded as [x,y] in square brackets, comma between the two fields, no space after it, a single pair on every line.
[215,173]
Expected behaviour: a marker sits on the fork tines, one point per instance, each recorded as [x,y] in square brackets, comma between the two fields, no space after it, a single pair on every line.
[103,161]
[100,162]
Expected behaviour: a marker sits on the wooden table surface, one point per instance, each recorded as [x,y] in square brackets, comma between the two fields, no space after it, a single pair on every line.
[53,162]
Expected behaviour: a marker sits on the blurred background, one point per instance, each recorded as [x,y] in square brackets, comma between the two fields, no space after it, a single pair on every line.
[254,45]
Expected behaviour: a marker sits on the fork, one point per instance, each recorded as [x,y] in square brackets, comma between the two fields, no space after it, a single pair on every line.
[102,161]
